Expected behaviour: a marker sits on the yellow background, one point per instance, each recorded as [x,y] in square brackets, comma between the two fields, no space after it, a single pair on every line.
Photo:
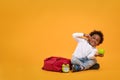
[31,30]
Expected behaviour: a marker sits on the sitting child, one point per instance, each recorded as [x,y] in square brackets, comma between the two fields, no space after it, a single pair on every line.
[84,56]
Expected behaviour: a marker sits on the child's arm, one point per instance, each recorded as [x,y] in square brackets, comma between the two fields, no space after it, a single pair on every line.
[94,54]
[78,36]
[91,55]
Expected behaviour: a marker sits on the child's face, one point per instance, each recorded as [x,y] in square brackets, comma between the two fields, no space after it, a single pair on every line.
[95,40]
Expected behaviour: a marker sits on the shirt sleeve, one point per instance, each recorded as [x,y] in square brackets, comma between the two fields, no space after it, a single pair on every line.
[92,55]
[77,36]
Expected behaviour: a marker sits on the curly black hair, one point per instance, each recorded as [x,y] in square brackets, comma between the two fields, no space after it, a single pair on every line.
[98,33]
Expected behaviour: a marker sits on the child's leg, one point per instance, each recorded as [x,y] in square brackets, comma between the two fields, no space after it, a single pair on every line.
[75,60]
[77,64]
[84,63]
[89,63]
[95,66]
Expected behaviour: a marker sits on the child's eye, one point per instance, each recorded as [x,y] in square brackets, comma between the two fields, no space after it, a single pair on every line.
[93,37]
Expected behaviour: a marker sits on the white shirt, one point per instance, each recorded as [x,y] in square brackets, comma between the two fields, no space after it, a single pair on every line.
[83,49]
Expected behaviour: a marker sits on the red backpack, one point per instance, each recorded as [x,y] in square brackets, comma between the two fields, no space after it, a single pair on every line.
[55,63]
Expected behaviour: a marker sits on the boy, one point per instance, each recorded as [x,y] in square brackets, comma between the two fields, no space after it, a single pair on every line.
[84,56]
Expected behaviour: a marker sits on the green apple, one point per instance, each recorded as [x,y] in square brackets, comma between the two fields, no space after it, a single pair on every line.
[101,51]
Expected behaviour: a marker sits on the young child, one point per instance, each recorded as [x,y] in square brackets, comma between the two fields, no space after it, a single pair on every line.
[84,56]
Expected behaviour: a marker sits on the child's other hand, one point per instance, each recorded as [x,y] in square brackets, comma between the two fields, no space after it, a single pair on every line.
[99,55]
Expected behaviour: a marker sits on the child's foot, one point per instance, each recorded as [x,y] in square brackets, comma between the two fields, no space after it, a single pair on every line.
[95,66]
[75,68]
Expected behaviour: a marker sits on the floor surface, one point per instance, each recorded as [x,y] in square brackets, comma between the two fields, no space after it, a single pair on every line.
[32,30]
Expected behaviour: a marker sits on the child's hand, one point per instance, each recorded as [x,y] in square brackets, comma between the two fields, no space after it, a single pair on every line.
[87,36]
[99,55]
